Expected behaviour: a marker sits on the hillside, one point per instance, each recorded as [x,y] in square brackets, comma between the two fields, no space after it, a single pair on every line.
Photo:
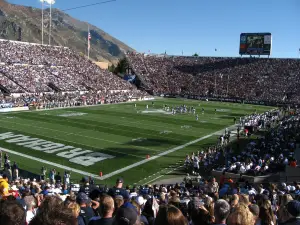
[66,31]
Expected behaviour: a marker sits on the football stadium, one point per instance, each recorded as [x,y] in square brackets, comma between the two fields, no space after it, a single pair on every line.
[93,131]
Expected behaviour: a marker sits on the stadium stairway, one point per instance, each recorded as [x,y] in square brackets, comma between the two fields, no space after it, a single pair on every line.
[53,87]
[4,90]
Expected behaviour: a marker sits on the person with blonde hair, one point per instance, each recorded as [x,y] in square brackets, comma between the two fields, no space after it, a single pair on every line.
[76,211]
[241,216]
[234,201]
[106,210]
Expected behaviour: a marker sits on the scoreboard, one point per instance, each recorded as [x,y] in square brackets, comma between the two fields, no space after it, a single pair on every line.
[255,43]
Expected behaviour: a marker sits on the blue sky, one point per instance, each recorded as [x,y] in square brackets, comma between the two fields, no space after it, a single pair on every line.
[192,25]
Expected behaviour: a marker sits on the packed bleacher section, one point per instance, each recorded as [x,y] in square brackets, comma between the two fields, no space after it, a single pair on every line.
[268,153]
[54,199]
[31,70]
[247,78]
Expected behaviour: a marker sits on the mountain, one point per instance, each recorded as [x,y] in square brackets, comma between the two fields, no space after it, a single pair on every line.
[20,21]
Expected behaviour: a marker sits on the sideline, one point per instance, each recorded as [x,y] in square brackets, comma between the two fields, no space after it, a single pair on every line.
[120,170]
[51,163]
[165,153]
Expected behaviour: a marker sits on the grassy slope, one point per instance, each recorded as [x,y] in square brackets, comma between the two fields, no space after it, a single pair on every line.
[110,129]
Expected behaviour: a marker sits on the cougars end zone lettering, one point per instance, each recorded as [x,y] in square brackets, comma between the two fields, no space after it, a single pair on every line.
[73,154]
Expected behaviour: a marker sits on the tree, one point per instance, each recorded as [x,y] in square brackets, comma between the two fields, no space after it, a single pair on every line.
[196,55]
[121,66]
[112,68]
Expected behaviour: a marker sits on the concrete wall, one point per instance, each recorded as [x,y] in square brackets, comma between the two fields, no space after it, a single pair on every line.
[251,179]
[102,65]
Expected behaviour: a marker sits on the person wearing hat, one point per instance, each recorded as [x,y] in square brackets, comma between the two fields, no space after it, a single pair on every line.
[85,187]
[86,210]
[118,189]
[126,216]
[293,208]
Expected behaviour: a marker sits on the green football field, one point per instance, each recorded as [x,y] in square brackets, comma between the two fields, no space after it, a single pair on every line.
[115,139]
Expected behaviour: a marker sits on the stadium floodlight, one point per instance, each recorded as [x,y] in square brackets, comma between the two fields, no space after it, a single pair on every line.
[50,3]
[42,1]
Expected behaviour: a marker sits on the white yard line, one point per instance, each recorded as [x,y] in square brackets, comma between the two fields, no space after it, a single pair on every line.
[76,143]
[128,122]
[118,129]
[162,154]
[120,170]
[51,163]
[75,134]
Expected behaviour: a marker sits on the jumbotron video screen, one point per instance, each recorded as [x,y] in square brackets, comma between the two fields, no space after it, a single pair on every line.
[255,43]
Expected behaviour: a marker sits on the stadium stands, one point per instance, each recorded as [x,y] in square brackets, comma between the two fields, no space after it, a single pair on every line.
[27,69]
[247,78]
[40,74]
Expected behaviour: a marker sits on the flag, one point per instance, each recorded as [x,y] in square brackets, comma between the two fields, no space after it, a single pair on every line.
[89,40]
[50,2]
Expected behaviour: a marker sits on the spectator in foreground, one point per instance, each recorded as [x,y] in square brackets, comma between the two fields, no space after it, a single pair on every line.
[241,216]
[169,215]
[221,211]
[53,212]
[4,186]
[254,209]
[106,209]
[30,208]
[117,189]
[148,211]
[85,210]
[266,213]
[12,213]
[76,211]
[283,214]
[293,207]
[126,216]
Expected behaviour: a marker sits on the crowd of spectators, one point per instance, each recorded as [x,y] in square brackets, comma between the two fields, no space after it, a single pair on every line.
[49,76]
[30,68]
[207,202]
[252,78]
[266,154]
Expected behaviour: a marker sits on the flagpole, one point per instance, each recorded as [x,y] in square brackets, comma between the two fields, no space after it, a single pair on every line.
[42,22]
[88,41]
[50,23]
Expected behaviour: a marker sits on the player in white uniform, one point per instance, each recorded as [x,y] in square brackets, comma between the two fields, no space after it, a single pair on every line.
[147,106]
[197,117]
